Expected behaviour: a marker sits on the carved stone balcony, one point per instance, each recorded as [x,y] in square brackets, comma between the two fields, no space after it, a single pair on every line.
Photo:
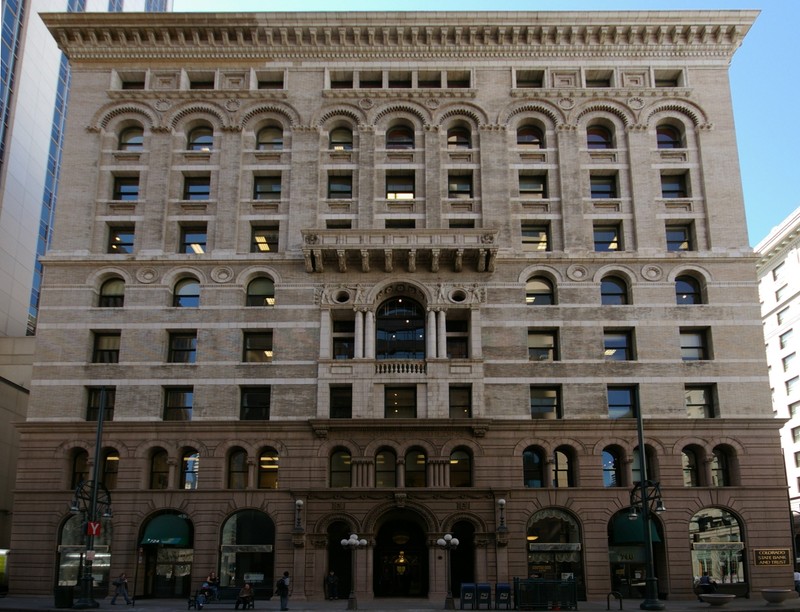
[407,249]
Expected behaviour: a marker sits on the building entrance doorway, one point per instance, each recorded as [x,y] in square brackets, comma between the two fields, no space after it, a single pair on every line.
[401,557]
[167,545]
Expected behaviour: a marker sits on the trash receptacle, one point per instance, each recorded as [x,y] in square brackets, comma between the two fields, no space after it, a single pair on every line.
[62,596]
[483,595]
[468,594]
[502,595]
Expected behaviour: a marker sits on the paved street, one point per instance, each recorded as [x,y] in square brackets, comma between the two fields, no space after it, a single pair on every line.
[41,603]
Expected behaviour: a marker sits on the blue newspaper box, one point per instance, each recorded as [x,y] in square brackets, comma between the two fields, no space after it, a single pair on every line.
[484,595]
[502,595]
[468,595]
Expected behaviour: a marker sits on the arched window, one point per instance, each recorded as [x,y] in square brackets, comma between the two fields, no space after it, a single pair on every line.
[416,468]
[612,467]
[341,139]
[563,467]
[717,545]
[459,137]
[186,294]
[530,136]
[400,330]
[268,462]
[269,138]
[400,137]
[200,139]
[131,139]
[721,467]
[599,137]
[539,292]
[110,468]
[190,469]
[79,467]
[533,468]
[340,469]
[690,462]
[159,469]
[260,292]
[652,467]
[613,291]
[386,468]
[687,291]
[669,137]
[460,468]
[237,469]
[112,294]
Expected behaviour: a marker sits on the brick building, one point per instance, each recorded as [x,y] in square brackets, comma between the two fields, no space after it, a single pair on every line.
[401,275]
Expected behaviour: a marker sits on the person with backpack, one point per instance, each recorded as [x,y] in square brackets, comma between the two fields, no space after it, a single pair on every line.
[282,588]
[120,589]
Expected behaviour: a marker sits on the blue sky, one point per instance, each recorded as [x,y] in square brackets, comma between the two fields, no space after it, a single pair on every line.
[765,80]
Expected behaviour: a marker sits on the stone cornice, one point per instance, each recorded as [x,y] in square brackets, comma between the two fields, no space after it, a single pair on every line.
[421,35]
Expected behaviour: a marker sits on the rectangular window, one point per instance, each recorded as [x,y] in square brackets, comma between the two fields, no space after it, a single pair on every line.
[340,186]
[400,186]
[796,434]
[400,223]
[267,187]
[618,345]
[535,237]
[257,347]
[457,338]
[785,338]
[459,186]
[674,186]
[622,402]
[530,78]
[545,402]
[106,347]
[264,238]
[603,187]
[781,293]
[461,223]
[338,224]
[792,385]
[797,459]
[778,271]
[120,240]
[344,334]
[543,345]
[197,188]
[107,396]
[270,80]
[781,316]
[193,239]
[608,237]
[341,401]
[794,410]
[460,401]
[787,361]
[254,403]
[599,78]
[700,401]
[694,345]
[679,238]
[533,186]
[126,188]
[178,403]
[400,402]
[182,347]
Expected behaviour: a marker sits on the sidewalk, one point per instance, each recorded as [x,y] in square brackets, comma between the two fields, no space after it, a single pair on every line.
[38,603]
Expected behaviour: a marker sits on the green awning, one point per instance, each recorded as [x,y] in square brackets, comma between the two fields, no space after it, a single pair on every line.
[626,531]
[168,530]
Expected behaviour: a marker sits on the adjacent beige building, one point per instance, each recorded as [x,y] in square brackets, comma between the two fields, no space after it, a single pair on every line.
[401,275]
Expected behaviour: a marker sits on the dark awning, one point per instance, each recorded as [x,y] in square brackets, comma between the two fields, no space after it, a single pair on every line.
[626,531]
[168,530]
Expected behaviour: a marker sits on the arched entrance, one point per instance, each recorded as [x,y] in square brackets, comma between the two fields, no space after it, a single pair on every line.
[247,550]
[401,556]
[627,556]
[168,548]
[339,561]
[462,562]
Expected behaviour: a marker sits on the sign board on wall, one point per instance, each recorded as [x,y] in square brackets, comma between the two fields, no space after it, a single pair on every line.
[772,556]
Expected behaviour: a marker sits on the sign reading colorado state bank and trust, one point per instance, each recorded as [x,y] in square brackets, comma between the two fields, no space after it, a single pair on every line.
[772,556]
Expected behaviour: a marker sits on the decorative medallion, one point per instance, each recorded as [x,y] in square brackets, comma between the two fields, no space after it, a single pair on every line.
[162,105]
[222,274]
[577,272]
[233,105]
[636,103]
[366,103]
[147,275]
[652,273]
[566,103]
[432,103]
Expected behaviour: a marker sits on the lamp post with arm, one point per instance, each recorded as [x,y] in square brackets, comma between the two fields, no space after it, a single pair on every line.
[353,543]
[448,543]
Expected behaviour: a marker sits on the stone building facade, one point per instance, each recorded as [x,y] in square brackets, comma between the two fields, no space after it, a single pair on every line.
[401,275]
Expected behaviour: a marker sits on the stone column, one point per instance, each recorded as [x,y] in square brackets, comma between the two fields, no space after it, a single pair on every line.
[430,334]
[441,337]
[358,340]
[369,335]
[325,326]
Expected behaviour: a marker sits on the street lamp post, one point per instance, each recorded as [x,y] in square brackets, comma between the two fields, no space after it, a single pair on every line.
[89,496]
[352,544]
[646,497]
[449,544]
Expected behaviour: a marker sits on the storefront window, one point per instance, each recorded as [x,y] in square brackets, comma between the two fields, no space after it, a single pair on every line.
[717,548]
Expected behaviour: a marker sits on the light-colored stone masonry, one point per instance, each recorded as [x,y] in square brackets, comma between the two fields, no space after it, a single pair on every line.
[371,72]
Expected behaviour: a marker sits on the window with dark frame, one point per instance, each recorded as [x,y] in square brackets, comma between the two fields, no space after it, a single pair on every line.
[178,403]
[267,187]
[264,238]
[539,292]
[618,345]
[545,402]
[543,345]
[201,138]
[268,468]
[159,470]
[674,186]
[533,186]
[193,239]
[603,186]
[106,347]
[343,337]
[700,401]
[197,188]
[340,469]
[535,237]
[254,403]
[459,186]
[269,138]
[622,402]
[182,347]
[613,291]
[120,240]
[694,344]
[599,137]
[340,186]
[257,347]
[112,294]
[95,398]
[400,186]
[400,402]
[341,401]
[679,238]
[460,401]
[186,293]
[608,237]
[126,188]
